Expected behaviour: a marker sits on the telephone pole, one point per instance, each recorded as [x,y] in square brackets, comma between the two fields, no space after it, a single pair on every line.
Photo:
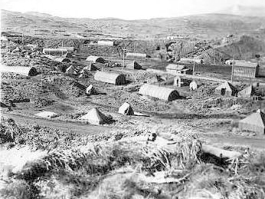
[232,73]
[193,69]
[123,57]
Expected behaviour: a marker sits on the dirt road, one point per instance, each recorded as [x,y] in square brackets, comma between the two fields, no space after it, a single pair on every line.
[64,126]
[254,142]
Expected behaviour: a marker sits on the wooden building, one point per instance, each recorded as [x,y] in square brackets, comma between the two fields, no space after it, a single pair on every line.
[245,69]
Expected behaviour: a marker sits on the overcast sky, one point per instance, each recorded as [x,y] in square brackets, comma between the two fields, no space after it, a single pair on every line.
[124,9]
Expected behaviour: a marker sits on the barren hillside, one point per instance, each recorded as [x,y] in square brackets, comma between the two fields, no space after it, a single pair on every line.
[200,26]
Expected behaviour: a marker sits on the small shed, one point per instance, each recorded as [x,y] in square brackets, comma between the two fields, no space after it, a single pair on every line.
[112,78]
[162,93]
[254,122]
[95,59]
[71,70]
[134,65]
[126,109]
[226,89]
[178,69]
[193,86]
[90,90]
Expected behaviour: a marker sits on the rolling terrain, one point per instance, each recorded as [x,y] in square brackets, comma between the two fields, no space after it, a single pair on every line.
[199,26]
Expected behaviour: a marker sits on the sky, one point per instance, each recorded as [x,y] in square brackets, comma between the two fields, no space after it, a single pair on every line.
[124,9]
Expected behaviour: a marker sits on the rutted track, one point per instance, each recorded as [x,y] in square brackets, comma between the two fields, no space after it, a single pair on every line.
[255,142]
[61,125]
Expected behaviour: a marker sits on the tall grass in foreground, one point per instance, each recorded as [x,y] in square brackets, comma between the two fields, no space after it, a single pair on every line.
[135,168]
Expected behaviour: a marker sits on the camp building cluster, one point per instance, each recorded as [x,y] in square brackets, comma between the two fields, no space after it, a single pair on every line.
[178,70]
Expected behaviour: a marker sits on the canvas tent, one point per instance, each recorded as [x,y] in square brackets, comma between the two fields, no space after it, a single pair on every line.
[47,114]
[246,92]
[254,122]
[71,70]
[27,71]
[112,78]
[226,89]
[94,116]
[134,65]
[95,59]
[163,93]
[193,86]
[126,109]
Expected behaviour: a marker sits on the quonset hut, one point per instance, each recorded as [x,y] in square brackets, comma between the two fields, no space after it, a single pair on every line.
[162,93]
[112,78]
[95,59]
[27,71]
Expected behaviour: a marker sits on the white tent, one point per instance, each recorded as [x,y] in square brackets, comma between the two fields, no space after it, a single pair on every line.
[94,116]
[193,86]
[70,70]
[226,89]
[47,114]
[126,109]
[246,92]
[254,122]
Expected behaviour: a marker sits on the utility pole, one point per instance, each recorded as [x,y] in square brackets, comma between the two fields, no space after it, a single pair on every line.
[22,40]
[62,46]
[123,57]
[232,73]
[193,69]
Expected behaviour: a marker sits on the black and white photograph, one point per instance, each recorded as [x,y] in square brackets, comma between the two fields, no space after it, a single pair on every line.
[132,99]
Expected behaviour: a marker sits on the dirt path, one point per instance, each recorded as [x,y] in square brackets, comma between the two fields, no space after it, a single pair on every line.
[64,126]
[234,140]
[252,142]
